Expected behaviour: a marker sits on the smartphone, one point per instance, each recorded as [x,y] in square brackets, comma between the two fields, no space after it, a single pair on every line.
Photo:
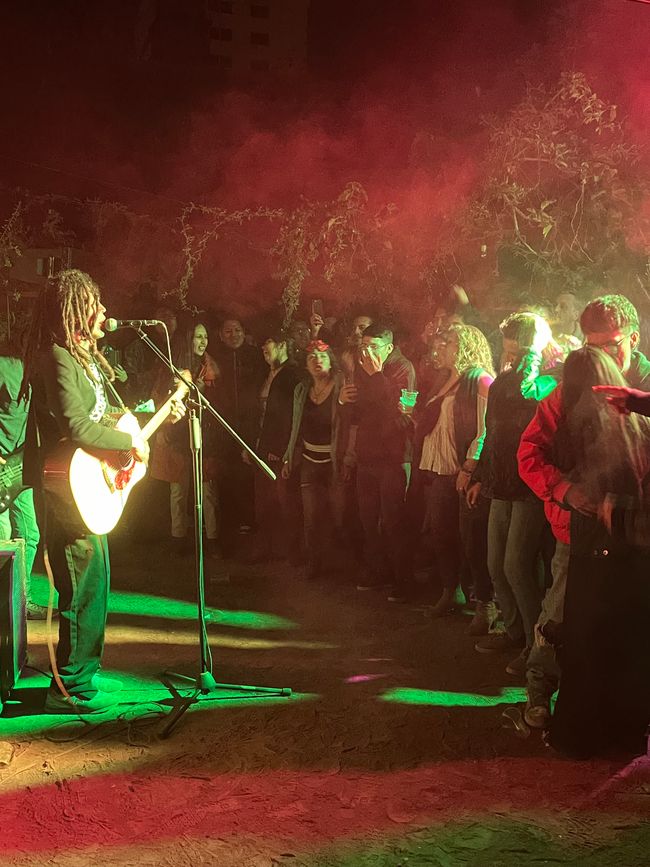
[317,307]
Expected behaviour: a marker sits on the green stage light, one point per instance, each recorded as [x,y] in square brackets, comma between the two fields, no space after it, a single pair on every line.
[146,605]
[439,698]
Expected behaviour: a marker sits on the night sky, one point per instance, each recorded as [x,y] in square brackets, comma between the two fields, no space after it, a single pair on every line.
[393,95]
[79,98]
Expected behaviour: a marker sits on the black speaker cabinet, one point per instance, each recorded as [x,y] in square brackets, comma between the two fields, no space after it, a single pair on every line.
[13,629]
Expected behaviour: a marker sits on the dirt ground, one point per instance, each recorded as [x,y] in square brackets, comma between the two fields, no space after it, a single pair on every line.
[393,749]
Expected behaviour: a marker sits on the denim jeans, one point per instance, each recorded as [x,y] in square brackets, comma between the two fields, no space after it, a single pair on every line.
[381,492]
[19,522]
[321,509]
[473,536]
[542,668]
[515,531]
[81,570]
[178,494]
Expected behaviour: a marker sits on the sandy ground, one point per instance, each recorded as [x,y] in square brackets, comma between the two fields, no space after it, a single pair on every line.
[392,750]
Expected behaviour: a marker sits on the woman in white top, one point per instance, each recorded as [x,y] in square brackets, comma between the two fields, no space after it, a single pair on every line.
[451,430]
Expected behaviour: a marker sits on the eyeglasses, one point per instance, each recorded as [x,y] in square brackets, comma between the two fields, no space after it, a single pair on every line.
[611,347]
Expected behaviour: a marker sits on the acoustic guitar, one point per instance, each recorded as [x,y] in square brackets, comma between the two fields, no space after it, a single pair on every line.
[101,482]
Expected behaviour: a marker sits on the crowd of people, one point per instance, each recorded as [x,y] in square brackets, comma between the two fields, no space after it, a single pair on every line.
[503,469]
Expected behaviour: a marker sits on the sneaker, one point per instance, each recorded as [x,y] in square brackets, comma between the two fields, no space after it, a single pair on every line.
[34,611]
[496,642]
[517,666]
[485,615]
[97,703]
[103,683]
[537,716]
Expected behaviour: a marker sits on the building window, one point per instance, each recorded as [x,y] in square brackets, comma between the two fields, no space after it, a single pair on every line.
[224,6]
[223,60]
[259,11]
[259,38]
[260,65]
[224,34]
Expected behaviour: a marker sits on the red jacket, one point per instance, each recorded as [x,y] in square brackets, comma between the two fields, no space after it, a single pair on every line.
[535,457]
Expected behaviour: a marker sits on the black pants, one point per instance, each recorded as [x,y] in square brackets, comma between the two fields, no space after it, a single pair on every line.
[604,697]
[381,492]
[443,521]
[81,569]
[473,525]
[278,514]
[459,536]
[321,509]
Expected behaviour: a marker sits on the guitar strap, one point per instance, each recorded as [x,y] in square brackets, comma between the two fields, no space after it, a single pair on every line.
[113,391]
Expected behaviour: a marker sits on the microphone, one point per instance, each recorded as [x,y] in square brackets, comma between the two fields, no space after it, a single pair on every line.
[114,324]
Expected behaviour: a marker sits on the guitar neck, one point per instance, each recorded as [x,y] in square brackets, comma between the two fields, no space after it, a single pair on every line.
[161,415]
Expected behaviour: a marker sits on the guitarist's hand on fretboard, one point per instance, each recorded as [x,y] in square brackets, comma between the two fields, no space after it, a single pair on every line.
[177,410]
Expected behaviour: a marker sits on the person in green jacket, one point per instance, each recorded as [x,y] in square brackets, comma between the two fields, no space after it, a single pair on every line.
[72,394]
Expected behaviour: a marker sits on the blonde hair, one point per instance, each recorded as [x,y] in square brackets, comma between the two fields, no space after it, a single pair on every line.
[473,349]
[74,293]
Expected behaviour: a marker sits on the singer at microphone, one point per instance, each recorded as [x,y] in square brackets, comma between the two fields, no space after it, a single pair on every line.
[114,324]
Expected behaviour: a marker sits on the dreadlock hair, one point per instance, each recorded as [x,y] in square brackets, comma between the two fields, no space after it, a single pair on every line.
[63,317]
[75,292]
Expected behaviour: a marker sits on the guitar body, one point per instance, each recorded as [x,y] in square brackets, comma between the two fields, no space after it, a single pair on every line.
[100,484]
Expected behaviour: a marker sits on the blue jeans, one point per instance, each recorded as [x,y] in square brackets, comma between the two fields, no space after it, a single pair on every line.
[515,531]
[81,570]
[19,522]
[542,669]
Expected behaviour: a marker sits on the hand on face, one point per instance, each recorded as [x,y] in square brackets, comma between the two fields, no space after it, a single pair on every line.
[370,360]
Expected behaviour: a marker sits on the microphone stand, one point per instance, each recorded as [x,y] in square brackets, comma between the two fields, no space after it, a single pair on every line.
[205,686]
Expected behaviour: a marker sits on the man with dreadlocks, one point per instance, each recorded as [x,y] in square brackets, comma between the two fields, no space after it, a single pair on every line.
[70,403]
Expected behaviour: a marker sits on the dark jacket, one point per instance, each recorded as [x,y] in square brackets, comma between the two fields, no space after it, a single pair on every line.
[275,430]
[384,433]
[63,399]
[241,376]
[70,399]
[465,416]
[512,402]
[340,427]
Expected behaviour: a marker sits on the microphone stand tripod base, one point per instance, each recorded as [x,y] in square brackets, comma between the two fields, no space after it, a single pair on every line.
[207,689]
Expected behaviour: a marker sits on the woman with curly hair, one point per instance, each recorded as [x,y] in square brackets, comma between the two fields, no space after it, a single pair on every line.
[450,432]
